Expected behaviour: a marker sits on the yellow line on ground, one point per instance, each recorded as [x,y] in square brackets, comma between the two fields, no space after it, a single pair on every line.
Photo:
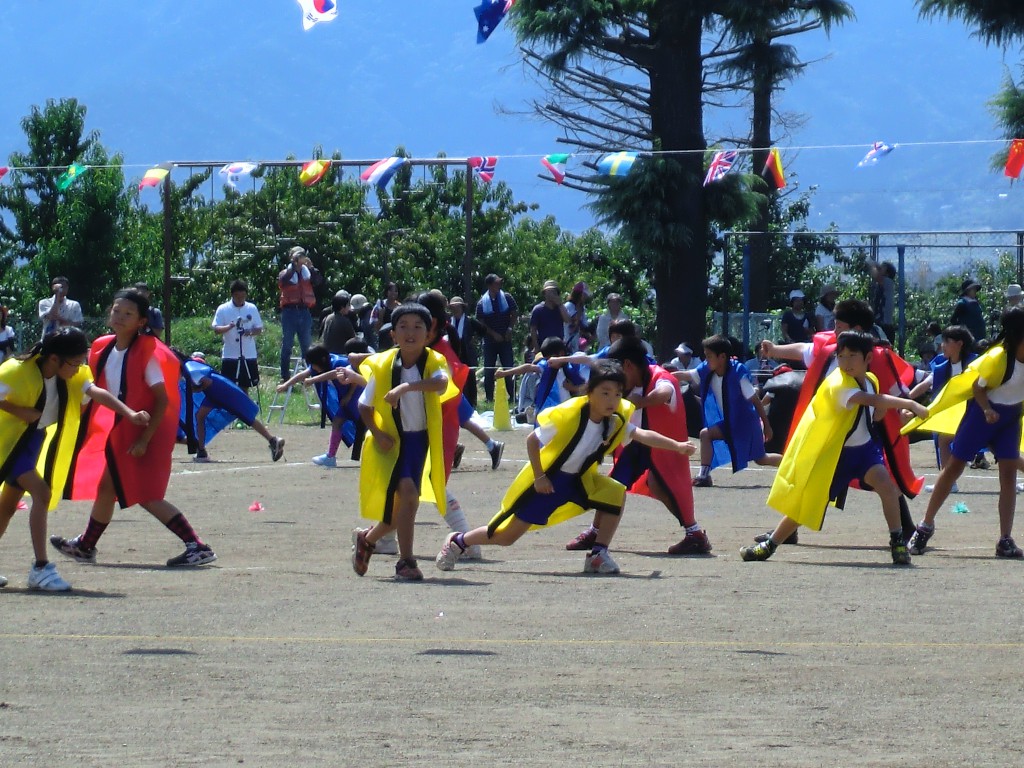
[454,641]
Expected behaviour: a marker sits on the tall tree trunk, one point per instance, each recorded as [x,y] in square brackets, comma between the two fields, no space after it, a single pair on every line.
[761,135]
[681,269]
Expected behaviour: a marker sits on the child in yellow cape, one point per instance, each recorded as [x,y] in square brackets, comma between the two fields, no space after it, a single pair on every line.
[561,480]
[836,442]
[993,386]
[41,397]
[401,407]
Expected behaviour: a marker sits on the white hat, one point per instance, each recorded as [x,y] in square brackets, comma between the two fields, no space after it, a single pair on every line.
[796,294]
[683,349]
[1014,290]
[358,302]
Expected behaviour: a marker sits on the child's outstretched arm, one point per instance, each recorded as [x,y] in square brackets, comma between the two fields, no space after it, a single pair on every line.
[657,440]
[921,388]
[107,400]
[882,403]
[349,376]
[775,351]
[503,373]
[580,358]
[687,377]
[759,407]
[300,376]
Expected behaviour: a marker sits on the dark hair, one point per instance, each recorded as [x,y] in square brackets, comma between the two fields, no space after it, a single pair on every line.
[629,348]
[319,355]
[888,268]
[959,333]
[606,370]
[141,286]
[391,284]
[437,306]
[933,329]
[1011,335]
[136,298]
[491,279]
[623,328]
[239,285]
[411,308]
[718,344]
[64,343]
[340,301]
[855,341]
[60,279]
[855,313]
[553,346]
[356,346]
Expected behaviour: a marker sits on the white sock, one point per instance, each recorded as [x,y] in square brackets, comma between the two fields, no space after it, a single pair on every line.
[490,445]
[704,471]
[695,528]
[455,517]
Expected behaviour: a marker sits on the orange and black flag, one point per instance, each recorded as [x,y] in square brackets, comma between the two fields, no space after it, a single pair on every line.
[772,171]
[155,175]
[1015,159]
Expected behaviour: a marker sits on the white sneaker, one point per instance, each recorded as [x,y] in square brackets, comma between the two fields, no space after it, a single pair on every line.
[956,488]
[473,552]
[3,581]
[600,563]
[1020,487]
[46,579]
[324,460]
[449,554]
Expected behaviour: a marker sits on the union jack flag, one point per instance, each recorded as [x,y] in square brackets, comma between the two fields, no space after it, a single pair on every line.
[721,163]
[484,166]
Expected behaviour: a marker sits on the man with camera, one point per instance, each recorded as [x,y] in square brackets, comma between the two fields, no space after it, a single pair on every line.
[296,283]
[238,322]
[58,311]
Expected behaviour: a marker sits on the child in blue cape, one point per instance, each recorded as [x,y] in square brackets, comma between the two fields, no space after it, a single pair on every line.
[557,384]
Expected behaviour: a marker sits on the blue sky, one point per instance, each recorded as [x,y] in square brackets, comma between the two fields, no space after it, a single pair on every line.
[232,81]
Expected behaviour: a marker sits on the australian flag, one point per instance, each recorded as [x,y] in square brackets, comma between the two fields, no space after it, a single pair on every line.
[720,165]
[484,166]
[488,15]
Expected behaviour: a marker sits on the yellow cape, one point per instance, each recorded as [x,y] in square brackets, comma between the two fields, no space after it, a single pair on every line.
[801,487]
[26,383]
[947,409]
[570,419]
[377,474]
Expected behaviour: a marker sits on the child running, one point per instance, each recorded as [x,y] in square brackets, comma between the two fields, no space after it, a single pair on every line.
[993,386]
[562,480]
[120,461]
[41,397]
[401,407]
[836,442]
[736,424]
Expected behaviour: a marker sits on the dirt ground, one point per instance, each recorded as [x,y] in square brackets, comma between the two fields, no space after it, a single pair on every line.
[278,655]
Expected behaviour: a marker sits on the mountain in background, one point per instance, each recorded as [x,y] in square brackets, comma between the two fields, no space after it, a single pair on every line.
[201,81]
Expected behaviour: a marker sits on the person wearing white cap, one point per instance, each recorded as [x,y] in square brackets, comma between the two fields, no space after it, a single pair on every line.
[796,325]
[683,361]
[1014,294]
[824,312]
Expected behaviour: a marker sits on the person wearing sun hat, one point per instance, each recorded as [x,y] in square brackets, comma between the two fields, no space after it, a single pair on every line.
[1014,293]
[968,311]
[824,312]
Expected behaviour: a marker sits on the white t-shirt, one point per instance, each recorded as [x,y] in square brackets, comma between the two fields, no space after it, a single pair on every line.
[70,312]
[745,387]
[112,371]
[827,316]
[861,434]
[6,334]
[250,317]
[1011,391]
[50,407]
[808,357]
[661,386]
[588,444]
[411,406]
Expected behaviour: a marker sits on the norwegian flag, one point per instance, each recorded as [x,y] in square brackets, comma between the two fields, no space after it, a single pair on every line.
[721,163]
[484,166]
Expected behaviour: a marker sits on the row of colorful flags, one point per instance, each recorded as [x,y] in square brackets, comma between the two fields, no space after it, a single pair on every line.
[614,164]
[488,14]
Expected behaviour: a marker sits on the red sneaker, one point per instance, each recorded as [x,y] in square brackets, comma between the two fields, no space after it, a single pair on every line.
[361,552]
[585,541]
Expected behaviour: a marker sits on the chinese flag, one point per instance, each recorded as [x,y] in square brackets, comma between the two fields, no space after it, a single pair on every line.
[1015,159]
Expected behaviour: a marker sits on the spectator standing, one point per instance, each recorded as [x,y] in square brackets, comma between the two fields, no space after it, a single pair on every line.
[882,296]
[58,311]
[548,318]
[381,316]
[1014,294]
[968,312]
[824,312]
[155,326]
[498,312]
[466,329]
[8,339]
[796,325]
[238,322]
[361,312]
[296,283]
[612,314]
[577,328]
[338,327]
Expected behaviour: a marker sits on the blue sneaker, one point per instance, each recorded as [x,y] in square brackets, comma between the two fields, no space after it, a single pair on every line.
[324,460]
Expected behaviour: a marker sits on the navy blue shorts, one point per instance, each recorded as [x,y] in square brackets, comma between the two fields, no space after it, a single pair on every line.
[975,434]
[854,463]
[27,457]
[568,488]
[412,455]
[634,460]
